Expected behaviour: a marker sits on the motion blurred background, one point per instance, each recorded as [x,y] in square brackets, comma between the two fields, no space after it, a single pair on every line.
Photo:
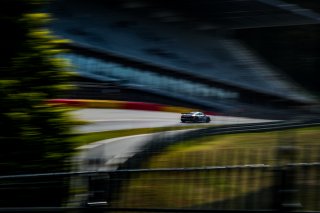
[255,58]
[252,65]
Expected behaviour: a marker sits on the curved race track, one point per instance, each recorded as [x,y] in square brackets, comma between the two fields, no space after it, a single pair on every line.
[114,119]
[109,154]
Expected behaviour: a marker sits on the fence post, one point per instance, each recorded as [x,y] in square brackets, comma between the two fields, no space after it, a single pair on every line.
[98,190]
[285,197]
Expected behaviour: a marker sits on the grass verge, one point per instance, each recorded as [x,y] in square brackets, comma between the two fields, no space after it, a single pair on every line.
[236,188]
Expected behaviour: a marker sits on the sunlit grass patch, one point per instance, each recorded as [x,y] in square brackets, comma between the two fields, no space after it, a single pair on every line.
[233,188]
[244,148]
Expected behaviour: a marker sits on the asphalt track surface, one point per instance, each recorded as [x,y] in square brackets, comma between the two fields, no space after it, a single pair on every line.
[107,155]
[115,119]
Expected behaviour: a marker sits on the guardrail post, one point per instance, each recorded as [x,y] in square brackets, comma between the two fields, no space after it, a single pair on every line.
[285,198]
[98,190]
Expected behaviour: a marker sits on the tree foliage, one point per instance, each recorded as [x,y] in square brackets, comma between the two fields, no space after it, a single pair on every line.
[35,137]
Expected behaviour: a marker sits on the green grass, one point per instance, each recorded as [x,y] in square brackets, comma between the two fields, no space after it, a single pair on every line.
[245,148]
[229,188]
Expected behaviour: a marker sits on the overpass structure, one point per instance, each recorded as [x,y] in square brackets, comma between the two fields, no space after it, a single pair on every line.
[180,50]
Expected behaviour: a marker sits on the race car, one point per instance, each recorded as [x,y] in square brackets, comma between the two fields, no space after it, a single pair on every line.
[195,117]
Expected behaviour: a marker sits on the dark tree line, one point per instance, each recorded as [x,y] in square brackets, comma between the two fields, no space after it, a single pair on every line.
[34,136]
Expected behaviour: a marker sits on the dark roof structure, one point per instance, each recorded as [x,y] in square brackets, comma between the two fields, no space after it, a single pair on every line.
[225,14]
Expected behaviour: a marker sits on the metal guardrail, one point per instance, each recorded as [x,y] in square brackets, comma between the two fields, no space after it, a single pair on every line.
[164,141]
[102,206]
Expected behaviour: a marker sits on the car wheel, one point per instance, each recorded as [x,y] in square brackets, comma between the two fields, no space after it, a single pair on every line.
[208,120]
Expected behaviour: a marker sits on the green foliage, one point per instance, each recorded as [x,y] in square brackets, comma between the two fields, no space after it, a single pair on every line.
[35,137]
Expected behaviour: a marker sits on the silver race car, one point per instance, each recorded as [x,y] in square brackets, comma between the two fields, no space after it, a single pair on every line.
[195,117]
